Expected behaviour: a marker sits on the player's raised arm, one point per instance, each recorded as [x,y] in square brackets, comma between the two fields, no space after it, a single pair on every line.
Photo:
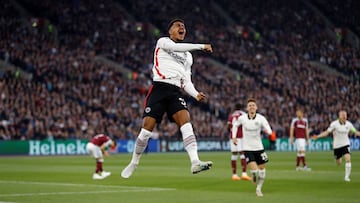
[208,48]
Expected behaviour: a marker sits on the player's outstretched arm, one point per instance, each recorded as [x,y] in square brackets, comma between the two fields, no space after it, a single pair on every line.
[356,133]
[208,48]
[323,134]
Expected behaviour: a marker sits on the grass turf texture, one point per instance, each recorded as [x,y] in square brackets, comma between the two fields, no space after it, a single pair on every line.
[166,177]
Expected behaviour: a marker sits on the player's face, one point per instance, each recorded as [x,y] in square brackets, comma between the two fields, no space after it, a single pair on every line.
[177,31]
[342,116]
[299,113]
[251,107]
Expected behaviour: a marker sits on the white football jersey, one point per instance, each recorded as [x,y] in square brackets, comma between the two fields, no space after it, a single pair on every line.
[252,131]
[172,63]
[340,133]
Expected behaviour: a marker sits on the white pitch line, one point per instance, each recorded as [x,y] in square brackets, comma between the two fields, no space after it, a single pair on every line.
[88,185]
[58,193]
[120,188]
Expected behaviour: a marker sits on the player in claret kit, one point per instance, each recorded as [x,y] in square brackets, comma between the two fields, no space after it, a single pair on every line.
[97,147]
[299,129]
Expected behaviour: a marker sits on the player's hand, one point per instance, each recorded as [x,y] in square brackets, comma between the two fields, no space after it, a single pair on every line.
[201,97]
[234,140]
[208,48]
[106,153]
[314,137]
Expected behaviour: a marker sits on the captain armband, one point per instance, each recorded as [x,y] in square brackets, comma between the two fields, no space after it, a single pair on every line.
[353,130]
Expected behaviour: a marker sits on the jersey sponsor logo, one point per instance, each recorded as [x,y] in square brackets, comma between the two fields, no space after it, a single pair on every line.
[252,128]
[300,126]
[178,58]
[147,109]
[345,131]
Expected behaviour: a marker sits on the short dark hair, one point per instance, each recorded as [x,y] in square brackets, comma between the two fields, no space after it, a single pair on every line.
[173,21]
[251,100]
[238,106]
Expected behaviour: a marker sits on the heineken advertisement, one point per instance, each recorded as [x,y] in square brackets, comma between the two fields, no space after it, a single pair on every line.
[36,148]
[78,147]
[324,144]
[72,147]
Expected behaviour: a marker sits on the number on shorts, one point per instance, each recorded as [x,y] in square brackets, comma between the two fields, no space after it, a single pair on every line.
[183,102]
[264,156]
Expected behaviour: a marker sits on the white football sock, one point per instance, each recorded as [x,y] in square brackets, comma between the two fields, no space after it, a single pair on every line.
[254,173]
[140,145]
[190,143]
[262,174]
[347,169]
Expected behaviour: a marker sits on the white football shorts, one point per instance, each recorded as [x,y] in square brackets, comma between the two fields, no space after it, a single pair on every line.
[94,150]
[238,147]
[300,144]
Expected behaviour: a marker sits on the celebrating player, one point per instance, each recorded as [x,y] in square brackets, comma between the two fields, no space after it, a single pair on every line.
[252,125]
[340,129]
[171,73]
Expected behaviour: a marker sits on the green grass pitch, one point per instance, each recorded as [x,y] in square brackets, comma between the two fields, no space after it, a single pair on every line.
[166,178]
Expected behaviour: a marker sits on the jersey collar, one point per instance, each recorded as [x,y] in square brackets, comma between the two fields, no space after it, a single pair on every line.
[251,118]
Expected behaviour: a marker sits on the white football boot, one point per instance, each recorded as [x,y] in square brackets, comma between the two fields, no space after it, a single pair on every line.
[201,166]
[97,176]
[128,171]
[105,174]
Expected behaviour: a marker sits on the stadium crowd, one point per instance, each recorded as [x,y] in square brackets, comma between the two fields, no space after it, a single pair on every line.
[269,46]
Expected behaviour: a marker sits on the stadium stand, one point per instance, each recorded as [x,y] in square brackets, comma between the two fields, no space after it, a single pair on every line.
[270,46]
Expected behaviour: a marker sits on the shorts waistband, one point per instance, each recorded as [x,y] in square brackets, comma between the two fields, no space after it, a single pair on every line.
[165,85]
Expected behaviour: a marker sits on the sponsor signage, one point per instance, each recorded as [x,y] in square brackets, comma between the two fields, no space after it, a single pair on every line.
[78,147]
